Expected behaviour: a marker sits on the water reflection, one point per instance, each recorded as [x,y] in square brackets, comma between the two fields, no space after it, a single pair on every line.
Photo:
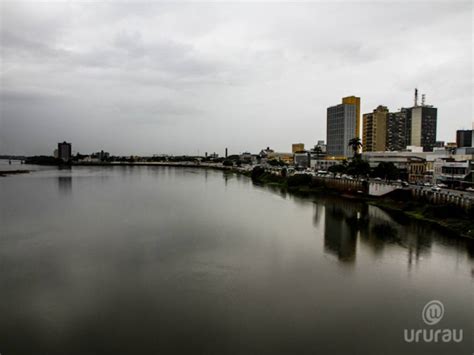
[65,184]
[470,251]
[340,231]
[348,222]
[226,177]
[318,213]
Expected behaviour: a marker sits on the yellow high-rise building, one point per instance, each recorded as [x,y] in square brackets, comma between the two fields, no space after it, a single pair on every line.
[354,100]
[375,130]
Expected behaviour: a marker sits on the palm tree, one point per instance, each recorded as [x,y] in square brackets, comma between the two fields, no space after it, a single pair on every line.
[355,144]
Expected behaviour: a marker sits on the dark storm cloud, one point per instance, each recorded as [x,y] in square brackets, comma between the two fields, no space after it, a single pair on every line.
[162,77]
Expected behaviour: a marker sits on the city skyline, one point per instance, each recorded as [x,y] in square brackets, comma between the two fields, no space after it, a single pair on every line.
[189,78]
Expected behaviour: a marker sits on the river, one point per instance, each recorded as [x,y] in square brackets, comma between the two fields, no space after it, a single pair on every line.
[158,260]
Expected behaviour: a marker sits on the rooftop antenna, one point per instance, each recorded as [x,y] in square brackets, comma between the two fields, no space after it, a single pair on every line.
[416,97]
[423,97]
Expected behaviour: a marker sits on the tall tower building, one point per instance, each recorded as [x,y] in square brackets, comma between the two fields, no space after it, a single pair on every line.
[421,124]
[375,130]
[394,131]
[464,138]
[423,127]
[64,151]
[354,100]
[398,134]
[343,124]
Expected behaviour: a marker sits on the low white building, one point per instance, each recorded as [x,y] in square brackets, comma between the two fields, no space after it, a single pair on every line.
[408,161]
[453,172]
[323,164]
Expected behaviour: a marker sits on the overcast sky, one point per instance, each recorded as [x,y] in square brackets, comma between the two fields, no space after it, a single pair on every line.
[186,77]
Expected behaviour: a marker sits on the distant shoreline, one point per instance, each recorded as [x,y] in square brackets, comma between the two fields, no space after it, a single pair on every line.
[218,166]
[4,173]
[178,164]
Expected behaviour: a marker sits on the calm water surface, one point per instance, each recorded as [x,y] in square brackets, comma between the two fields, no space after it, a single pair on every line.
[154,260]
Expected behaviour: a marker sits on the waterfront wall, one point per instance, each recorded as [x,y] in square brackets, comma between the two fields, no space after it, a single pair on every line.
[395,191]
[344,185]
[443,198]
[348,185]
[381,188]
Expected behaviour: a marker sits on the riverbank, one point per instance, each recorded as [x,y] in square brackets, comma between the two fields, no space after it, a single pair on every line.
[4,173]
[451,218]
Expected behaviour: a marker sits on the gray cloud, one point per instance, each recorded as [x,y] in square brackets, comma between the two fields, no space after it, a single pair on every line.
[174,78]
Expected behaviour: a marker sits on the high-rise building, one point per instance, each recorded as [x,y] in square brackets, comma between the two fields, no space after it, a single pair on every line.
[423,127]
[374,129]
[464,138]
[354,100]
[64,151]
[343,124]
[297,147]
[395,131]
[397,136]
[421,124]
[386,131]
[408,126]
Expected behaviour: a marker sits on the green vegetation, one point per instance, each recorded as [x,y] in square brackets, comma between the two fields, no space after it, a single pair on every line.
[356,167]
[259,175]
[299,180]
[356,145]
[451,217]
[276,162]
[339,168]
[386,171]
[301,184]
